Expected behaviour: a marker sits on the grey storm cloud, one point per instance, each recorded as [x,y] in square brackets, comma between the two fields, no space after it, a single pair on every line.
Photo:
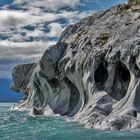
[11,18]
[12,53]
[18,52]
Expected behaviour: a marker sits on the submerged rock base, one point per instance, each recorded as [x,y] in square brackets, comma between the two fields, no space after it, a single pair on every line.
[92,74]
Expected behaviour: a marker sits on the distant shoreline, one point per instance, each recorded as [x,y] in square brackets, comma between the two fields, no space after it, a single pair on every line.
[7,103]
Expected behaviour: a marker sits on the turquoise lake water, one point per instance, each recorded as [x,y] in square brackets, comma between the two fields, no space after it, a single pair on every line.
[21,126]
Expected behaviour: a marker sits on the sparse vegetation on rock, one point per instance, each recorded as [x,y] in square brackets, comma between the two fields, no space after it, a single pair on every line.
[133,2]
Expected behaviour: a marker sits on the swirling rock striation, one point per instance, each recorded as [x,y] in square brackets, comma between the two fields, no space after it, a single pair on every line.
[92,74]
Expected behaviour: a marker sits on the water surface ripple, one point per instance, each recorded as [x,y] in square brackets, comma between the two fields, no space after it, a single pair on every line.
[21,126]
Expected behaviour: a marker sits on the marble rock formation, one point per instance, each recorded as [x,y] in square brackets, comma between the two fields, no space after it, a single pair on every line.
[91,75]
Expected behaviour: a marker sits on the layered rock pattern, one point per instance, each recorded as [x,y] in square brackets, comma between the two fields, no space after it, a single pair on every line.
[92,74]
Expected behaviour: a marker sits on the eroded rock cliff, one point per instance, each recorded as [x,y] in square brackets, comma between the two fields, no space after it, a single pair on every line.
[92,74]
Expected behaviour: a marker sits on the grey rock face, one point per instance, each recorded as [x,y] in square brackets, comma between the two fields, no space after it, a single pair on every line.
[92,74]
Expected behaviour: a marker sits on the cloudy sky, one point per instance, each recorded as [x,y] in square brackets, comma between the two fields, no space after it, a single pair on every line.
[28,27]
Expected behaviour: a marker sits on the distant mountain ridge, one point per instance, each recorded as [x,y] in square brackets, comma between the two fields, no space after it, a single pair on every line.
[6,95]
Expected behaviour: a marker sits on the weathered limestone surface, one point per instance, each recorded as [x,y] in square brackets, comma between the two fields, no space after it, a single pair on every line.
[92,74]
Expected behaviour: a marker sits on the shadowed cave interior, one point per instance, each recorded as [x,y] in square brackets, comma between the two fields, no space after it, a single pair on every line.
[120,82]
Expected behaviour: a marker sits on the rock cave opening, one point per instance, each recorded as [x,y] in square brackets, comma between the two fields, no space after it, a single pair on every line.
[54,83]
[101,74]
[37,111]
[135,113]
[74,97]
[121,81]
